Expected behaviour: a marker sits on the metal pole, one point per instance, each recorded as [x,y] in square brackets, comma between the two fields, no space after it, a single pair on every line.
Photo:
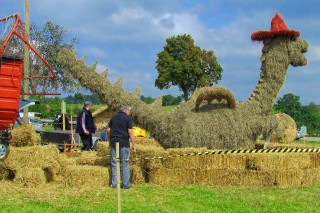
[26,57]
[118,176]
[71,129]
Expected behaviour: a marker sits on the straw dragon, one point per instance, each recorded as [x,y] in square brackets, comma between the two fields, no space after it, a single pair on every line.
[214,124]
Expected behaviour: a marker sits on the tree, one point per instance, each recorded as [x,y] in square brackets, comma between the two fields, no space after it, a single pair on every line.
[168,100]
[49,41]
[79,98]
[147,100]
[290,104]
[187,66]
[310,117]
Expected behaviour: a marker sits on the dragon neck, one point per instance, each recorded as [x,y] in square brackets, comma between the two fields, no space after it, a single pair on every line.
[275,62]
[113,96]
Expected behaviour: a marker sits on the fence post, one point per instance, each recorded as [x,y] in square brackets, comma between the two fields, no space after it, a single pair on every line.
[118,176]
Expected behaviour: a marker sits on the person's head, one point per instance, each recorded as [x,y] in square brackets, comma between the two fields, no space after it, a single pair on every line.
[88,105]
[125,109]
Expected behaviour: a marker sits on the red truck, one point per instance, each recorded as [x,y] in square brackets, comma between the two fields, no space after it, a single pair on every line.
[11,72]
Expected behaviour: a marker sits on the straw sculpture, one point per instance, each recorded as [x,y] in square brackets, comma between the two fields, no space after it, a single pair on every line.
[214,124]
[286,131]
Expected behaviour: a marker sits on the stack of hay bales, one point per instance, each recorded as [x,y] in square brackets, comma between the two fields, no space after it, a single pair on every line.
[33,166]
[268,170]
[24,135]
[179,167]
[286,131]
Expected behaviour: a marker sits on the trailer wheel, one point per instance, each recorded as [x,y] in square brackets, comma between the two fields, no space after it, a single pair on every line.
[4,151]
[95,142]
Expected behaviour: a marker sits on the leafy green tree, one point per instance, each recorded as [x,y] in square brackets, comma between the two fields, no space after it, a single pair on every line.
[181,63]
[310,117]
[147,100]
[290,104]
[49,40]
[79,98]
[168,100]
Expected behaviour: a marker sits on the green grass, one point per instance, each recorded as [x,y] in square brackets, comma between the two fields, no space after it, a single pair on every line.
[151,198]
[311,143]
[168,108]
[48,128]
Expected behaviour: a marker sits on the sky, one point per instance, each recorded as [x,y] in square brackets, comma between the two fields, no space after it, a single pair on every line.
[126,35]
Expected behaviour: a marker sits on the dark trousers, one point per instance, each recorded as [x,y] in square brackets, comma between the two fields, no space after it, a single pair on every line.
[86,141]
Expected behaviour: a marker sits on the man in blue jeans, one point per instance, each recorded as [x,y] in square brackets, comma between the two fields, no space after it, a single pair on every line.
[120,130]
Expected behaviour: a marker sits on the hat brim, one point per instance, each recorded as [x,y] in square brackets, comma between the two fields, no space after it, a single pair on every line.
[263,35]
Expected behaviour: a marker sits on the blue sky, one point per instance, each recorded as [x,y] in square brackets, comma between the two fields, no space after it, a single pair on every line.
[126,35]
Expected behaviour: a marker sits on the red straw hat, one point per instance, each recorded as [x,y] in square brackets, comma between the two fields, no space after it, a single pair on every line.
[278,28]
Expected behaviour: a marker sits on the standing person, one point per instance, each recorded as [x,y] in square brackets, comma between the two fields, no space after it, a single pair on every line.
[85,126]
[120,130]
[66,122]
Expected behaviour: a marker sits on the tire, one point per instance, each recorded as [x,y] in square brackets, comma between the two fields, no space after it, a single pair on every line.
[4,151]
[94,147]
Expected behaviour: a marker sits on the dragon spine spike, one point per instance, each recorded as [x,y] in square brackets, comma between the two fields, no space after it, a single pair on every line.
[137,91]
[94,66]
[84,58]
[157,103]
[119,82]
[104,73]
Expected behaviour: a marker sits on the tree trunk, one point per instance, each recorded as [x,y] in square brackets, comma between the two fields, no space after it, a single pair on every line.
[185,95]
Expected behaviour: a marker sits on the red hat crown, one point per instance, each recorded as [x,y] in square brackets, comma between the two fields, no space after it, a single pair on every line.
[278,28]
[278,24]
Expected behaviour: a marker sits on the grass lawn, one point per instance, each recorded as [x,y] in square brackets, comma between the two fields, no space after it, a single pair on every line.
[168,108]
[311,143]
[151,198]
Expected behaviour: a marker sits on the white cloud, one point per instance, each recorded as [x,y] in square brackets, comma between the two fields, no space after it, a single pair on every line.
[126,36]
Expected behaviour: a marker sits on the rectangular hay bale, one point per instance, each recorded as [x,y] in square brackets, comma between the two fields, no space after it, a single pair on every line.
[91,159]
[86,176]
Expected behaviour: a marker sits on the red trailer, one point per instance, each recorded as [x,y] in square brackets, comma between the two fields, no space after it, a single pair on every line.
[11,68]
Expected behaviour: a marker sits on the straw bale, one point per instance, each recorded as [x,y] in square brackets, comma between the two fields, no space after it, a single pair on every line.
[147,151]
[315,160]
[279,161]
[234,178]
[30,177]
[4,172]
[229,161]
[284,179]
[209,177]
[172,177]
[286,131]
[32,157]
[138,175]
[147,141]
[218,177]
[86,176]
[24,135]
[311,176]
[103,149]
[46,158]
[91,159]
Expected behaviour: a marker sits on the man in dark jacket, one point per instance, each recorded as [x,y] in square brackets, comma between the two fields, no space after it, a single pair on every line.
[120,130]
[86,126]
